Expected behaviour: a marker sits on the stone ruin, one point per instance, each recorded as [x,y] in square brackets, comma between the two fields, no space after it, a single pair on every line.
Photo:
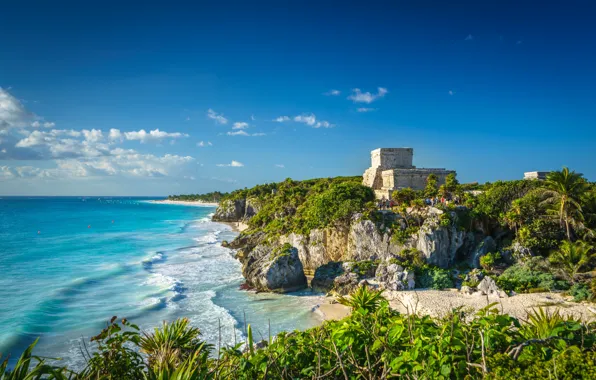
[392,169]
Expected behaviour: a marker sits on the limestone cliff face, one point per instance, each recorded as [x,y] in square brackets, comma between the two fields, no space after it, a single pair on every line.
[361,240]
[236,210]
[275,269]
[438,244]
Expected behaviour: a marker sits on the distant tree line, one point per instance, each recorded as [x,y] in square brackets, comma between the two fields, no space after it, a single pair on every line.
[214,196]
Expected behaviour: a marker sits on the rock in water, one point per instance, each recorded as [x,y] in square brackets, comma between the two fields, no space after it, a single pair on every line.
[274,269]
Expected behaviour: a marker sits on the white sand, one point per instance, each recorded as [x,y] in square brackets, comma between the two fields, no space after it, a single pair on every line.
[333,311]
[236,226]
[185,203]
[439,303]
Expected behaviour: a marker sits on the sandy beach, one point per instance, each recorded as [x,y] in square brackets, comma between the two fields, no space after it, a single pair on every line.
[185,203]
[236,226]
[439,303]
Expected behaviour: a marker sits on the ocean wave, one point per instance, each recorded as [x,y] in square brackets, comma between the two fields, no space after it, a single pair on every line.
[210,238]
[154,259]
[167,284]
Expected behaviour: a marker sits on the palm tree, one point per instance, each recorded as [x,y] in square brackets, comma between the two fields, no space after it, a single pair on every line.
[572,256]
[563,191]
[514,217]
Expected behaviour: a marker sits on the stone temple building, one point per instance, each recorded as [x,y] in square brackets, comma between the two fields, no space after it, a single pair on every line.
[392,169]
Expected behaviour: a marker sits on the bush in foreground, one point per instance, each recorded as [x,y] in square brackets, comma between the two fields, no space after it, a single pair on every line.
[374,342]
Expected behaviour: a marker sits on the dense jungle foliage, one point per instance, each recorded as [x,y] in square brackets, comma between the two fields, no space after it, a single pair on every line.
[544,230]
[299,206]
[214,196]
[374,342]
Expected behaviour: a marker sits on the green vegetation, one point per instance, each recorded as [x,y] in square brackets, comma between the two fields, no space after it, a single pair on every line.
[300,206]
[489,260]
[214,197]
[373,342]
[530,275]
[572,257]
[434,278]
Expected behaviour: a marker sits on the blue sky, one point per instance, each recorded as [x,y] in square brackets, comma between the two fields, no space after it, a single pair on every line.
[490,89]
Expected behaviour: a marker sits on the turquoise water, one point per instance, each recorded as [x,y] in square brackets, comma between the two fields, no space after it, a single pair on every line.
[69,264]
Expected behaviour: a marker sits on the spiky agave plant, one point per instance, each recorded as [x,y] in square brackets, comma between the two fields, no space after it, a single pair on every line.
[23,369]
[542,324]
[363,298]
[173,344]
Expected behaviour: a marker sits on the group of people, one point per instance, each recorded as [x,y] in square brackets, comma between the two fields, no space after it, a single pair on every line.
[385,204]
[435,201]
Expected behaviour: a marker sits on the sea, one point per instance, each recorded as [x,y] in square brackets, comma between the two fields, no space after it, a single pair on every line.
[68,264]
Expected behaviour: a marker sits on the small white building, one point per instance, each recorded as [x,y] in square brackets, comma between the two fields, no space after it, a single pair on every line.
[535,175]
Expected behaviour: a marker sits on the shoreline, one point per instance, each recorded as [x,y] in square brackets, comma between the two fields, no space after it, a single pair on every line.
[184,203]
[235,226]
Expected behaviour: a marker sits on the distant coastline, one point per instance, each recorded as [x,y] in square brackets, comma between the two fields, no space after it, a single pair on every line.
[185,203]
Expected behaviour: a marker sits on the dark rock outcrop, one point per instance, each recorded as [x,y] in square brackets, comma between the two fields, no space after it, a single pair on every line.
[487,245]
[274,269]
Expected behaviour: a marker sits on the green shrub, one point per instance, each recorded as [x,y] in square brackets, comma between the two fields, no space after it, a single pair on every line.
[522,277]
[410,258]
[580,292]
[445,220]
[373,342]
[401,236]
[365,267]
[434,278]
[489,260]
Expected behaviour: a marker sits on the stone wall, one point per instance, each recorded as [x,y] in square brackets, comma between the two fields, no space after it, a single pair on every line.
[391,169]
[414,178]
[390,158]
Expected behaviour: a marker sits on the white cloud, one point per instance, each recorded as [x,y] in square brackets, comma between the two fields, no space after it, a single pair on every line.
[311,120]
[238,133]
[240,125]
[115,135]
[332,93]
[281,166]
[244,133]
[47,124]
[154,135]
[365,109]
[281,119]
[366,97]
[12,112]
[204,143]
[219,118]
[93,135]
[469,37]
[234,164]
[128,163]
[451,92]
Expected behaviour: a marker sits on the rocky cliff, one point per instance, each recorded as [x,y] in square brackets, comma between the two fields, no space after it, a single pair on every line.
[438,240]
[236,210]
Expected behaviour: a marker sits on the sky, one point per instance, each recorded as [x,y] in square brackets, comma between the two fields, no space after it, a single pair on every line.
[127,98]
